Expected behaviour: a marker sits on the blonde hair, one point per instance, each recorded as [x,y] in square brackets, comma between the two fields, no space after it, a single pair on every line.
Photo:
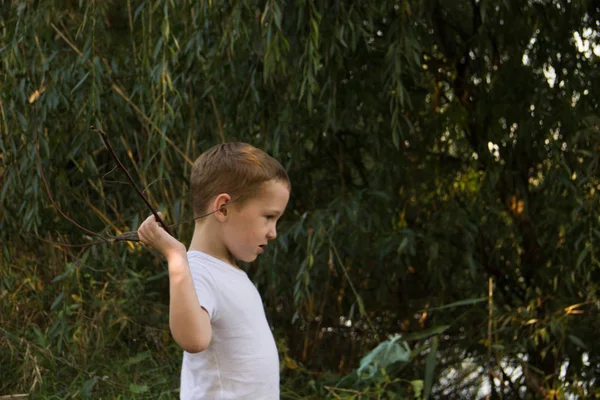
[238,169]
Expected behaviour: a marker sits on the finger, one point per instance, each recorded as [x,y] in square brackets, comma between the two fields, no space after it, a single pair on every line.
[141,236]
[148,221]
[147,227]
[143,226]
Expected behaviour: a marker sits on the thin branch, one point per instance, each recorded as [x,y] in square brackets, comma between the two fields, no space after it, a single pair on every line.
[138,191]
[39,159]
[124,237]
[489,338]
[359,299]
[109,172]
[152,183]
[79,53]
[67,245]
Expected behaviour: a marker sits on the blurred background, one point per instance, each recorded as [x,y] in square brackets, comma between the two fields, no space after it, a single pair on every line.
[441,237]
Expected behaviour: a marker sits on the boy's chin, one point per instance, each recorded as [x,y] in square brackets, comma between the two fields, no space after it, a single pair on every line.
[247,258]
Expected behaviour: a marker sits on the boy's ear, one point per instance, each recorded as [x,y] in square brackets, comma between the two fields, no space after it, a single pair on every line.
[220,206]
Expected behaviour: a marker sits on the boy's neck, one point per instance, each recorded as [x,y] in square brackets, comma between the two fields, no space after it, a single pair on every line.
[207,240]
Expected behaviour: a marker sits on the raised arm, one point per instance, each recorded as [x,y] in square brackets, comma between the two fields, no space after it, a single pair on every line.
[189,322]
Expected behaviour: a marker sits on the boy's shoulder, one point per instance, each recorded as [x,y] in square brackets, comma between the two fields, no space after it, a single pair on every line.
[207,265]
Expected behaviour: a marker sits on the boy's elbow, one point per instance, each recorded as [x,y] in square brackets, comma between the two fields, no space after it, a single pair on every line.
[195,348]
[196,345]
[193,338]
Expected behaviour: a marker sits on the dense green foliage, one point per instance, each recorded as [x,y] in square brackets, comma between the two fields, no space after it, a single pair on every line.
[434,147]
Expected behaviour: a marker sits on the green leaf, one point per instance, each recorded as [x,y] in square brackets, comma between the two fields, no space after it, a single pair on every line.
[459,303]
[81,81]
[138,10]
[396,139]
[138,358]
[57,301]
[577,341]
[88,386]
[157,276]
[384,354]
[430,369]
[138,389]
[403,245]
[426,333]
[68,271]
[582,256]
[471,264]
[22,120]
[417,386]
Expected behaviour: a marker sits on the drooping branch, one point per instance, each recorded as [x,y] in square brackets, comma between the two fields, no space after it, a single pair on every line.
[60,211]
[127,236]
[130,179]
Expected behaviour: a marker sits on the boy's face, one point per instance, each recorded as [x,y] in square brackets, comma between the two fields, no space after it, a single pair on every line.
[249,228]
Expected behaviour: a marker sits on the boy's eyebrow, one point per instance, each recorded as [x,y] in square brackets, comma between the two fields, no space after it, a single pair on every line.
[275,212]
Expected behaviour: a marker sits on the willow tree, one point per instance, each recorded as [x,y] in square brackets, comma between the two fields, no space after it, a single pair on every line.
[444,166]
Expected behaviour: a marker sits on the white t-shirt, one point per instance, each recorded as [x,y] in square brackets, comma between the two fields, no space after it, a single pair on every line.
[241,361]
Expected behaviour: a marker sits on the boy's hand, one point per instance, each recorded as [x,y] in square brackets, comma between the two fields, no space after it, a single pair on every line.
[152,234]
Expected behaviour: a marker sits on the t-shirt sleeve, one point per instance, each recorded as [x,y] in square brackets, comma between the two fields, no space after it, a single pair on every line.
[206,289]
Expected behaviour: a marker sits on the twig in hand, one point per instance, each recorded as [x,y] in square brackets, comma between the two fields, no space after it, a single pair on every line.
[133,237]
[126,236]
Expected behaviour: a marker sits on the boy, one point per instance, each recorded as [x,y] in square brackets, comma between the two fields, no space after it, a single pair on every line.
[216,314]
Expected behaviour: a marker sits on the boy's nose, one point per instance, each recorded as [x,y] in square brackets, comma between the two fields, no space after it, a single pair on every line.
[272,234]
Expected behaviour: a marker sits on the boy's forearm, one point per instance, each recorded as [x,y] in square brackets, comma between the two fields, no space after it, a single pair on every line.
[189,322]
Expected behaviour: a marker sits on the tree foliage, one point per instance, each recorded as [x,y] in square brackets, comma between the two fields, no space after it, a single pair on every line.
[434,147]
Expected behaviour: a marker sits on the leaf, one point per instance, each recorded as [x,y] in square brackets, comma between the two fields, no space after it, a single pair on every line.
[315,30]
[138,10]
[88,386]
[582,256]
[384,354]
[460,303]
[417,386]
[157,276]
[57,301]
[361,305]
[430,368]
[471,264]
[426,333]
[577,341]
[157,47]
[138,358]
[81,81]
[137,389]
[403,245]
[22,120]
[60,277]
[396,139]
